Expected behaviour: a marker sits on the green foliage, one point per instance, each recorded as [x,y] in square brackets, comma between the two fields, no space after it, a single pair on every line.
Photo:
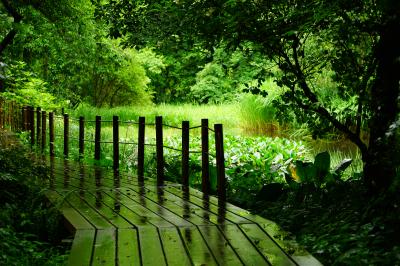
[22,86]
[316,174]
[18,249]
[352,42]
[228,73]
[342,225]
[76,61]
[250,163]
[29,227]
[254,162]
[117,76]
[211,86]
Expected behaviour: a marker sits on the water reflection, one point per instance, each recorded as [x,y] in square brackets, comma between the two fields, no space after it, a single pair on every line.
[160,200]
[188,235]
[66,174]
[117,182]
[186,198]
[117,192]
[142,193]
[221,211]
[81,180]
[206,207]
[52,172]
[98,177]
[117,200]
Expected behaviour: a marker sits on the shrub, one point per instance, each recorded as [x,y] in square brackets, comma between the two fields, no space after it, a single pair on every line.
[22,86]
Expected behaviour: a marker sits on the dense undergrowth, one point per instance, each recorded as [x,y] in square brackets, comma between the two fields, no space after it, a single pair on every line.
[29,226]
[341,224]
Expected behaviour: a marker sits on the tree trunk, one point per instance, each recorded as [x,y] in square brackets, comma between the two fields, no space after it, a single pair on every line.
[384,148]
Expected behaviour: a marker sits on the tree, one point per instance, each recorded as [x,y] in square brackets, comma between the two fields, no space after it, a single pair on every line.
[53,11]
[68,49]
[357,40]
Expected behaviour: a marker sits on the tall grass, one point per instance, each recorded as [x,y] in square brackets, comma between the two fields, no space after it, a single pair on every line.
[226,114]
[258,116]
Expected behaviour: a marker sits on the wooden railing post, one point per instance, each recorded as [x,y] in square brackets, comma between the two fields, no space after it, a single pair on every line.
[66,135]
[115,144]
[43,130]
[205,162]
[141,139]
[81,137]
[159,150]
[185,153]
[51,134]
[32,124]
[38,123]
[219,149]
[97,135]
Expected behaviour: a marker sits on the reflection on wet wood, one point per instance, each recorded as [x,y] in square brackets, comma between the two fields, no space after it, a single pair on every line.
[118,220]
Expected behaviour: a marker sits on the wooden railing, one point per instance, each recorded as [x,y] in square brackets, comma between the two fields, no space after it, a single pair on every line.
[41,125]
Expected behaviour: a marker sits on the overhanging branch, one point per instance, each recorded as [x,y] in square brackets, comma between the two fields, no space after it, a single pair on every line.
[11,34]
[316,106]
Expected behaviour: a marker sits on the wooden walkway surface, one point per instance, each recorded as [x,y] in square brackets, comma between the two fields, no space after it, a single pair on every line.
[123,222]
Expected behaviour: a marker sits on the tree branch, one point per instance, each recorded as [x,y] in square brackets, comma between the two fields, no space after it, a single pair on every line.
[11,34]
[316,106]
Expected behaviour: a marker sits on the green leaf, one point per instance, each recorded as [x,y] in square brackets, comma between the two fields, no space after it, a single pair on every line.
[322,165]
[342,166]
[306,171]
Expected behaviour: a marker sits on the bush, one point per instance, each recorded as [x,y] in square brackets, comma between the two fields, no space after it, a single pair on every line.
[29,226]
[22,86]
[250,163]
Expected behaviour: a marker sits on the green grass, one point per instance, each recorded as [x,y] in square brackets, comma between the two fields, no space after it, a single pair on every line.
[226,114]
[258,116]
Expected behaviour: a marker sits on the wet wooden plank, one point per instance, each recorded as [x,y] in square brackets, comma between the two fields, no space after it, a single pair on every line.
[218,210]
[88,212]
[149,211]
[104,205]
[266,245]
[184,209]
[174,248]
[159,215]
[150,247]
[297,252]
[77,221]
[128,248]
[104,248]
[223,252]
[196,246]
[132,214]
[81,250]
[73,217]
[170,208]
[173,207]
[213,201]
[242,245]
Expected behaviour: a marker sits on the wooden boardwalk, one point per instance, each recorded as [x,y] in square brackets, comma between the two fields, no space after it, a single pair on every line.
[119,221]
